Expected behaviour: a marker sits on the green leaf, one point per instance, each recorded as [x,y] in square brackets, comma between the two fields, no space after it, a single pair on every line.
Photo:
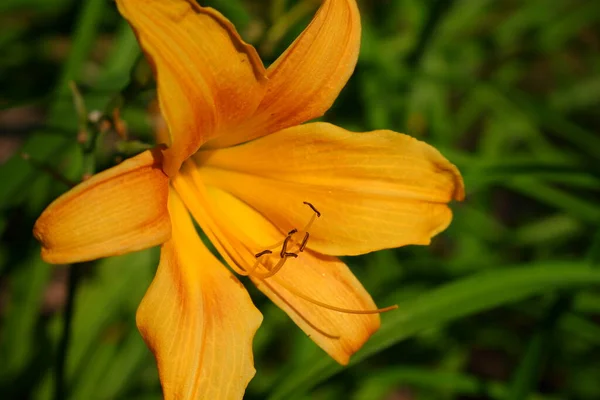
[455,300]
[378,385]
[17,174]
[19,336]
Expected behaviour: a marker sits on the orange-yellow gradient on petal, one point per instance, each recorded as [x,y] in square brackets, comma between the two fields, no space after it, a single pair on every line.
[114,212]
[375,190]
[234,228]
[307,78]
[198,319]
[208,79]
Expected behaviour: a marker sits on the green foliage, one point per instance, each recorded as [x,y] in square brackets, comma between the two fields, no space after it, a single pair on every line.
[503,305]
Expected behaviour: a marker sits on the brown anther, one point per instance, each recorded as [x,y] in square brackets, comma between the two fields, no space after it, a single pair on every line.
[293,231]
[304,242]
[313,208]
[262,253]
[286,255]
[283,251]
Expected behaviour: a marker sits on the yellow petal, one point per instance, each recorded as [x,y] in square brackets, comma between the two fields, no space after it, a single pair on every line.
[208,78]
[239,232]
[306,79]
[374,190]
[330,281]
[119,210]
[198,319]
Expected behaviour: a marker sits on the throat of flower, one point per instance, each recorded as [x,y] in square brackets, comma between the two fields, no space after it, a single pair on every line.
[274,257]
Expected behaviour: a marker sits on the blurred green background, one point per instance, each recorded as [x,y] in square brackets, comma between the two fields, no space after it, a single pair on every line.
[503,305]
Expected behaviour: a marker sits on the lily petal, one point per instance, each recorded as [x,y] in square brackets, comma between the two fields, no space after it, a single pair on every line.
[208,79]
[198,319]
[236,230]
[306,79]
[327,280]
[374,190]
[117,211]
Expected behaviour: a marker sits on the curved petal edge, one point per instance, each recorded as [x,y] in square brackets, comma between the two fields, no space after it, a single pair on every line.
[197,319]
[116,211]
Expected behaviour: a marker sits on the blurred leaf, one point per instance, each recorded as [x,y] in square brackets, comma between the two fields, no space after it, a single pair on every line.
[588,211]
[381,383]
[16,173]
[455,300]
[20,338]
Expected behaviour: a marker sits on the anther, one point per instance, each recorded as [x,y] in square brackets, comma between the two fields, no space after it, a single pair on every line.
[313,208]
[262,253]
[293,231]
[284,247]
[304,242]
[290,255]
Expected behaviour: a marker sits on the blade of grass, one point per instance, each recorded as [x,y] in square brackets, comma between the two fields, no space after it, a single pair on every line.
[561,199]
[18,336]
[531,367]
[430,380]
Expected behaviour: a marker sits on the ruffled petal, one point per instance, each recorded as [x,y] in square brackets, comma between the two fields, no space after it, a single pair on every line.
[198,319]
[117,211]
[208,78]
[306,79]
[374,190]
[239,233]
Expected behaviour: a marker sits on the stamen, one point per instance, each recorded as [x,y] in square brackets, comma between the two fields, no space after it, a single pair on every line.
[313,208]
[334,308]
[283,251]
[316,214]
[272,271]
[262,253]
[303,244]
[251,271]
[322,332]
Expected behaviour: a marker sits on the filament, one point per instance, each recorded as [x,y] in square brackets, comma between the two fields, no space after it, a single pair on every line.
[308,322]
[272,271]
[334,308]
[316,214]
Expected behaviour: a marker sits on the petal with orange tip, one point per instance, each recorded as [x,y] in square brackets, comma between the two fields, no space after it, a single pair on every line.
[306,79]
[117,211]
[307,288]
[208,79]
[198,319]
[374,190]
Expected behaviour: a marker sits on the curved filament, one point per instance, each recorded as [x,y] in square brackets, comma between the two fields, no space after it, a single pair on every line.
[312,325]
[335,308]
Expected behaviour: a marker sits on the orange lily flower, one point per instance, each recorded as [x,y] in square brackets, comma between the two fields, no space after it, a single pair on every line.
[279,200]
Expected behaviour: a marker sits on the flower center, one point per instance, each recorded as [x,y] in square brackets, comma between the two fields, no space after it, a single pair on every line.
[291,246]
[273,258]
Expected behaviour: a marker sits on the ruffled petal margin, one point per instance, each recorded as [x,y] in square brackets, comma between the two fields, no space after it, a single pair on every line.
[306,79]
[208,79]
